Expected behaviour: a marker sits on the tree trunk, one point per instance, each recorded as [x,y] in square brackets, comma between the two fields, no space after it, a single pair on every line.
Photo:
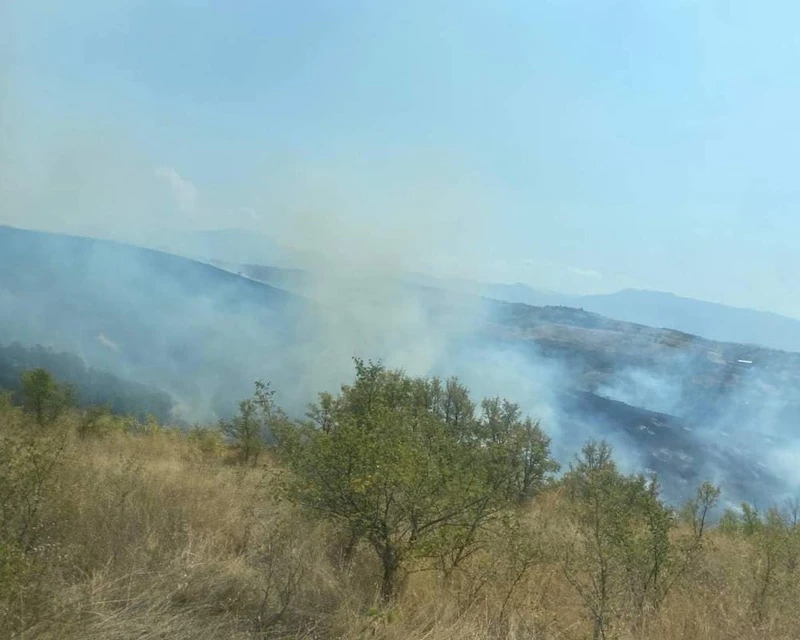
[391,566]
[349,549]
[599,631]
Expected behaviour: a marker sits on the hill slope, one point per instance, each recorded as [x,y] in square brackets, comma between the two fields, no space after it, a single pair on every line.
[92,387]
[708,319]
[684,406]
[145,315]
[656,309]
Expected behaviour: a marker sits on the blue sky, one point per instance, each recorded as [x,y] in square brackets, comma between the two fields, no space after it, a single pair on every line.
[580,146]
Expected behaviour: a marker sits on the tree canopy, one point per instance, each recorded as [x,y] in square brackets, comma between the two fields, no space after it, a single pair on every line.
[411,466]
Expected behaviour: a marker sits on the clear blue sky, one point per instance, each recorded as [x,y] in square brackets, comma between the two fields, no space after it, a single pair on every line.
[583,146]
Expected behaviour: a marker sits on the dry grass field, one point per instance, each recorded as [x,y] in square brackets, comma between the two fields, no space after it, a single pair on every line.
[136,531]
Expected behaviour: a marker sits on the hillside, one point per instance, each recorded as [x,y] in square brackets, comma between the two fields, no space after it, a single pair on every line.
[711,320]
[195,331]
[681,405]
[718,408]
[678,373]
[92,387]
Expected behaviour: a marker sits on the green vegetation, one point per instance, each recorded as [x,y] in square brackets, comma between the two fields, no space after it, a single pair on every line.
[44,398]
[399,508]
[405,464]
[90,387]
[249,430]
[625,556]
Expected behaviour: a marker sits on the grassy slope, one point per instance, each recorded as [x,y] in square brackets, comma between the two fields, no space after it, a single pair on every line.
[149,533]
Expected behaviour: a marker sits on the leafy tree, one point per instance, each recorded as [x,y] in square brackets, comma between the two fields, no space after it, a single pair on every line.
[405,464]
[772,554]
[697,510]
[91,420]
[520,446]
[750,520]
[250,429]
[31,463]
[43,397]
[91,386]
[729,522]
[622,552]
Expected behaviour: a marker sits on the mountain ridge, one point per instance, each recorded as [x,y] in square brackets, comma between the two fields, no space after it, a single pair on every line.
[664,309]
[765,329]
[661,309]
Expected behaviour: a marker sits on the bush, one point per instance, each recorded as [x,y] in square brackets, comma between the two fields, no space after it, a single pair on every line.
[624,557]
[406,465]
[44,398]
[251,428]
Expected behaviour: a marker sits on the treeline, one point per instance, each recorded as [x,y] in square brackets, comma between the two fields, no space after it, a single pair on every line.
[91,387]
[399,507]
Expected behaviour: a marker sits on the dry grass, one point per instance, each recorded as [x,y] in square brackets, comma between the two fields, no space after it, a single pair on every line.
[148,536]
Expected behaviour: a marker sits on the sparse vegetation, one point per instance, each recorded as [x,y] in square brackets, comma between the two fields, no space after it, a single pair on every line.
[250,429]
[90,387]
[401,509]
[44,398]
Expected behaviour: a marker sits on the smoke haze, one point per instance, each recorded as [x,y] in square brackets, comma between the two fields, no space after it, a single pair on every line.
[275,174]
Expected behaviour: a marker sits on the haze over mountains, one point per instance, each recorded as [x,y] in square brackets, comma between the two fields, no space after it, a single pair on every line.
[228,245]
[145,315]
[656,309]
[684,406]
[258,255]
[659,309]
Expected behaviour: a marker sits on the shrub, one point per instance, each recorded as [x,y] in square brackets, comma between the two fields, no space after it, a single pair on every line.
[405,464]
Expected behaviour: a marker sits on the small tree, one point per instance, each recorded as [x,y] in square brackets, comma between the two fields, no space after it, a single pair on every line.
[621,555]
[250,429]
[403,463]
[688,548]
[521,448]
[729,522]
[697,510]
[774,547]
[44,398]
[91,420]
[751,519]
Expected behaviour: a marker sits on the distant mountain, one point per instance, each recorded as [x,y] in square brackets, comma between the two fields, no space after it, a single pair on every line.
[707,319]
[661,310]
[252,252]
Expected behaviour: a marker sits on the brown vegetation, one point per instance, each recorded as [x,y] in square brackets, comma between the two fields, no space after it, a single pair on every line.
[122,529]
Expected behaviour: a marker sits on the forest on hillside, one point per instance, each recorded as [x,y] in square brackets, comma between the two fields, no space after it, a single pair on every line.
[400,507]
[92,387]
